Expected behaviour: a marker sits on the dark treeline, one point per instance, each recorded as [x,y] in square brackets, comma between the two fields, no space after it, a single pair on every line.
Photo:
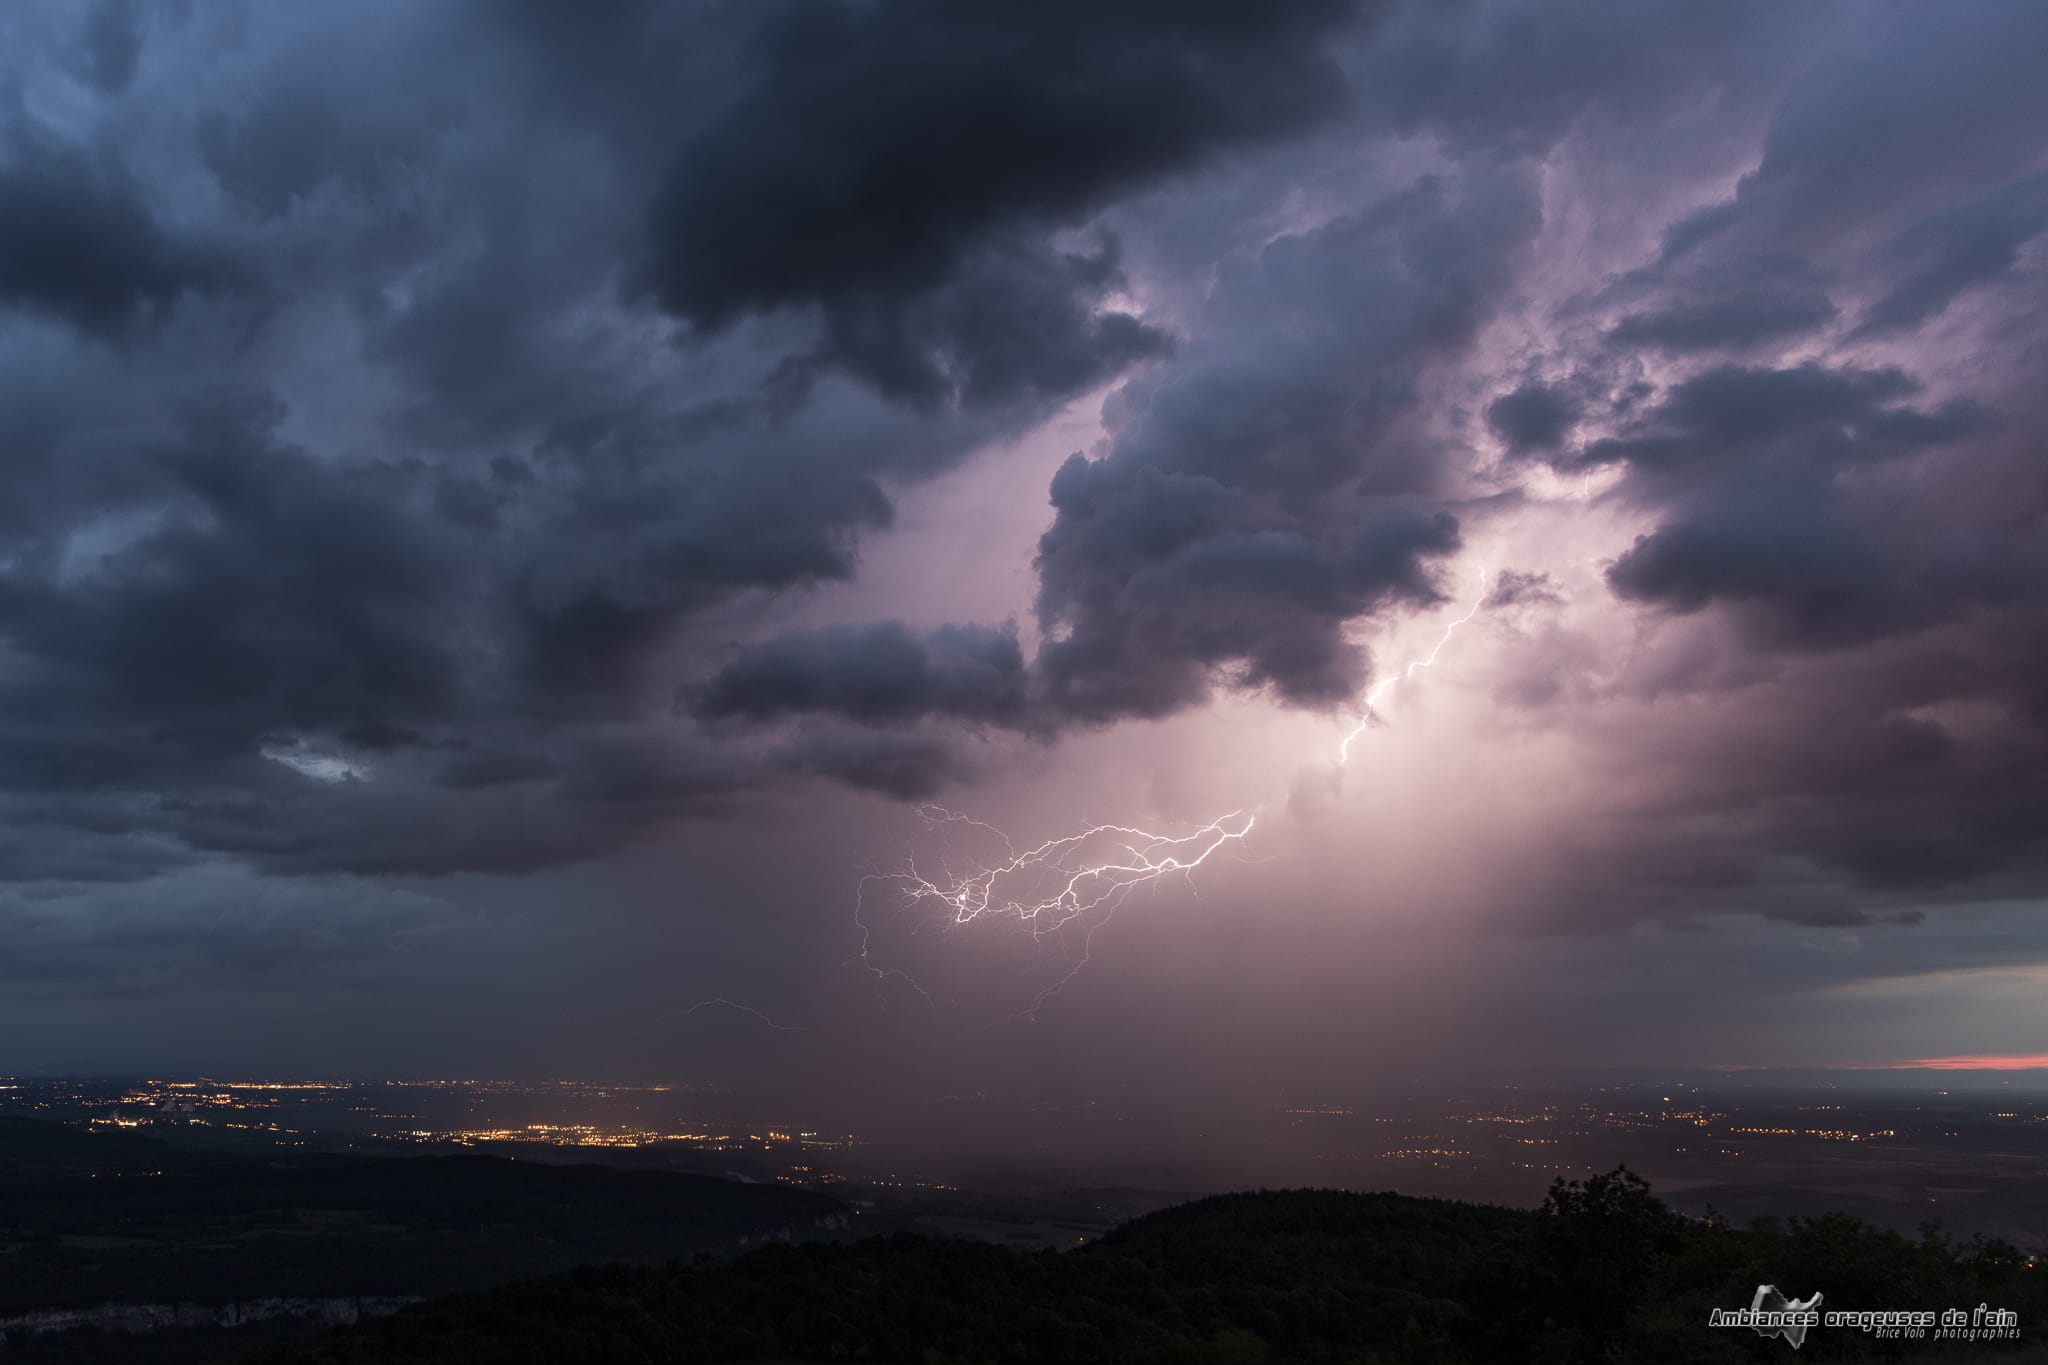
[1602,1272]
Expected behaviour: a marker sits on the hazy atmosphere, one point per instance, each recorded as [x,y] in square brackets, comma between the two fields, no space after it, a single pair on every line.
[1049,551]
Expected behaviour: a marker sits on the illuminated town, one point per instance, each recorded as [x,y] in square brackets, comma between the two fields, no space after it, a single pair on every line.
[1907,1154]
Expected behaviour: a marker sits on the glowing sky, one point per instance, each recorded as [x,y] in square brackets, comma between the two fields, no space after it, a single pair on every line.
[511,510]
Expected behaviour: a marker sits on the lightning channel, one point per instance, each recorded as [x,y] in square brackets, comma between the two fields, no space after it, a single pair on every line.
[1392,680]
[720,1002]
[1062,886]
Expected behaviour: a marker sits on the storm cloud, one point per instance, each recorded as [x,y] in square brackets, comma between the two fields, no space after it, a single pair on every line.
[896,167]
[463,443]
[82,244]
[412,496]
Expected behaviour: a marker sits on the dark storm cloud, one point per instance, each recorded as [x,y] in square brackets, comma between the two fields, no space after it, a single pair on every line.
[1972,243]
[894,165]
[1729,322]
[401,572]
[1856,764]
[292,140]
[1264,607]
[300,604]
[1791,421]
[1924,105]
[212,928]
[1513,79]
[1533,417]
[1816,583]
[1014,321]
[275,662]
[1751,300]
[586,344]
[1871,618]
[269,595]
[113,44]
[876,674]
[78,240]
[1750,463]
[905,765]
[1866,732]
[1260,493]
[1263,491]
[315,666]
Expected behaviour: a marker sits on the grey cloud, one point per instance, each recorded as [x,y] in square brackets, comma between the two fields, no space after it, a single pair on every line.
[1925,104]
[1812,414]
[1523,587]
[78,240]
[210,928]
[1987,566]
[1856,524]
[1255,499]
[1511,79]
[1781,549]
[1533,417]
[1015,321]
[113,44]
[270,596]
[582,356]
[603,789]
[1747,464]
[1969,244]
[1854,780]
[878,143]
[294,138]
[513,507]
[1729,322]
[906,765]
[1256,495]
[1266,607]
[876,674]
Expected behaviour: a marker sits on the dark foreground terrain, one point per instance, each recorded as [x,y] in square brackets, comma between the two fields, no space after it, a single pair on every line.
[1604,1272]
[130,1232]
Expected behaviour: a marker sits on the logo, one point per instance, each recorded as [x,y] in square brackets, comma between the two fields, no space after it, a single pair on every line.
[1771,1314]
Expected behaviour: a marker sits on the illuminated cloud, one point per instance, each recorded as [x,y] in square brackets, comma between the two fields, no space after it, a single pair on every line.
[460,443]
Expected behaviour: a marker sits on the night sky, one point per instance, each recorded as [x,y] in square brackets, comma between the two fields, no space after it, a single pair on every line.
[512,513]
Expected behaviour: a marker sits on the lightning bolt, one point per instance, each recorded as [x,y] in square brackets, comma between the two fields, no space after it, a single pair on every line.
[1076,882]
[1048,889]
[1388,683]
[722,1003]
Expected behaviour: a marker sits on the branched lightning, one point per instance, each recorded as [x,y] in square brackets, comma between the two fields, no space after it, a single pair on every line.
[1063,887]
[1048,890]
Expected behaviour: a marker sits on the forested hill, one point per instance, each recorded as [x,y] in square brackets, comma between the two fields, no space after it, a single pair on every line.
[1604,1272]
